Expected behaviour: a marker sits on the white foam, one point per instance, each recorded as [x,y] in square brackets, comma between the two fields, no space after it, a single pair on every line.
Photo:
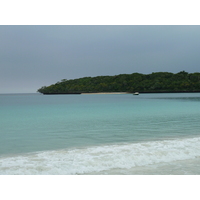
[100,158]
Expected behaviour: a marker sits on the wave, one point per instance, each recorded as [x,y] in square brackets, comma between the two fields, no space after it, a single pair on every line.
[101,158]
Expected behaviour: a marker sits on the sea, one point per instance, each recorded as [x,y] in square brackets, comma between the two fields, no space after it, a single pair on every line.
[100,134]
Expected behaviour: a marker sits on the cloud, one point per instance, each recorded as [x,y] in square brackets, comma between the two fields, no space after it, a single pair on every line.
[33,56]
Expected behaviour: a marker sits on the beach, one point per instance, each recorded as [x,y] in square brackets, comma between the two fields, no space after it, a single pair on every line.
[100,134]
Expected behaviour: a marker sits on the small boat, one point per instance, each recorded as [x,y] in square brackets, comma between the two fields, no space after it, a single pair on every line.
[136,93]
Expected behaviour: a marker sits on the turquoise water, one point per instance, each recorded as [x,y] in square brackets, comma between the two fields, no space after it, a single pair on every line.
[100,134]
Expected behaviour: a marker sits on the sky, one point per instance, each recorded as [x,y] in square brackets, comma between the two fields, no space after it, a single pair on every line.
[35,56]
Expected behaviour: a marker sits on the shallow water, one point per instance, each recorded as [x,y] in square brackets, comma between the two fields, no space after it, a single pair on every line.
[100,134]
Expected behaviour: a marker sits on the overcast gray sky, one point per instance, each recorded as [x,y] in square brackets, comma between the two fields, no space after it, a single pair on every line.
[35,56]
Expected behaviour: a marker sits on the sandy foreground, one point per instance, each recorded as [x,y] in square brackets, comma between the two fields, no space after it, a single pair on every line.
[108,93]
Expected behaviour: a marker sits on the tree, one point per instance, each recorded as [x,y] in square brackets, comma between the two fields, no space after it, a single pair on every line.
[155,82]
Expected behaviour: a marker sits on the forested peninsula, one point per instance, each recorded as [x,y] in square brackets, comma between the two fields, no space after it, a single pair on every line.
[156,82]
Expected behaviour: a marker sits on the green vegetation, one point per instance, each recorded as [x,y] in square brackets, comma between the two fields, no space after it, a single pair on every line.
[155,82]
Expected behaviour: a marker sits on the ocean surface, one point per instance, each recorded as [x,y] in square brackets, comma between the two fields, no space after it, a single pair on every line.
[100,134]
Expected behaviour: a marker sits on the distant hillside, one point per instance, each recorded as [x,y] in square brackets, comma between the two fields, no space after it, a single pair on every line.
[155,82]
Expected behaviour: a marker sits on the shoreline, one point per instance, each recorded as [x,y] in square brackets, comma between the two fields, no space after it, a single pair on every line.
[106,93]
[149,92]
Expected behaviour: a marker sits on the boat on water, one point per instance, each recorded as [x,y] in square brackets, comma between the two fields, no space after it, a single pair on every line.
[136,93]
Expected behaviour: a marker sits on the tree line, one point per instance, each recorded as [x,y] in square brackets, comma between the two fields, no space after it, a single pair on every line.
[136,82]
